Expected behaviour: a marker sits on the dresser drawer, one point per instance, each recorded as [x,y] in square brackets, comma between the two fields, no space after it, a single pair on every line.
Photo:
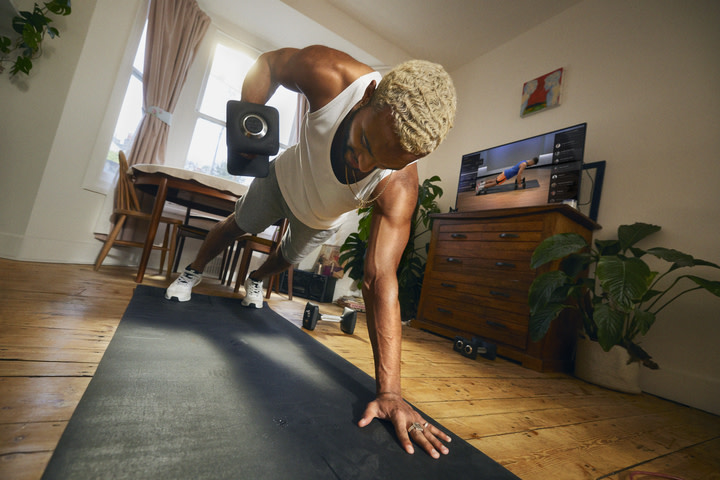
[504,232]
[515,269]
[511,297]
[477,319]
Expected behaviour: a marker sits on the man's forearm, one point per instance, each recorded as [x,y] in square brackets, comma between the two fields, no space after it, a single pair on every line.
[385,330]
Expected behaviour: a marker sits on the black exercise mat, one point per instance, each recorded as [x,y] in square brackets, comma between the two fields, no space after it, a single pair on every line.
[208,389]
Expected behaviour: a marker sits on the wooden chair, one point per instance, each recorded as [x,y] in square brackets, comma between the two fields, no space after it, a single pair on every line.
[197,227]
[128,206]
[253,243]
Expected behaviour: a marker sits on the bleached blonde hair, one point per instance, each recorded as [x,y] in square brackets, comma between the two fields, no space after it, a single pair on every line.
[423,101]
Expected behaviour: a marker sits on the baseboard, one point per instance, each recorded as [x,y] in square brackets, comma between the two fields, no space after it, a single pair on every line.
[682,387]
[10,245]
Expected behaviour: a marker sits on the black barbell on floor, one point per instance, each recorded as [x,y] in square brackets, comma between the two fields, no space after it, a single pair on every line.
[312,314]
[474,347]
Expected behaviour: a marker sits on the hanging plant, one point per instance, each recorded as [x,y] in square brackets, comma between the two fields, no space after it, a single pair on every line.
[31,28]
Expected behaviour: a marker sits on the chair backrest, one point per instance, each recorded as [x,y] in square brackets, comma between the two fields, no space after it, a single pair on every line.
[125,195]
[280,231]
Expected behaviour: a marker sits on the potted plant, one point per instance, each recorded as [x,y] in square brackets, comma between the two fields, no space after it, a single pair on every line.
[620,300]
[412,264]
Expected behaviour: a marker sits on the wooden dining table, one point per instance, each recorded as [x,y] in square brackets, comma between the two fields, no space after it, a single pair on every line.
[194,190]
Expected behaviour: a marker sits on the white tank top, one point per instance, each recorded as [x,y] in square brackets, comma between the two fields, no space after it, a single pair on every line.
[305,173]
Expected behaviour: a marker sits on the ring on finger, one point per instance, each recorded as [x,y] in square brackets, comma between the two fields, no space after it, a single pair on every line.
[416,426]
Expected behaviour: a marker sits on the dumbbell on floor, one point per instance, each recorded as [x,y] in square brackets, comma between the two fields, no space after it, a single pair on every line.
[475,347]
[312,314]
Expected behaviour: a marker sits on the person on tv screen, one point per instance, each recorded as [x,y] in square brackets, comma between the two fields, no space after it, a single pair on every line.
[511,172]
[358,146]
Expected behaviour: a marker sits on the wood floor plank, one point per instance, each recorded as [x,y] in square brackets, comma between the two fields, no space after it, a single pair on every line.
[24,466]
[697,462]
[46,369]
[30,437]
[39,399]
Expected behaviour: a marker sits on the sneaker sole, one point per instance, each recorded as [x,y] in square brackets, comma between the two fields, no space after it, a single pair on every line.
[179,299]
[251,305]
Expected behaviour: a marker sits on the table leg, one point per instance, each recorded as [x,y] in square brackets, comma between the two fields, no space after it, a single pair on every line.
[152,228]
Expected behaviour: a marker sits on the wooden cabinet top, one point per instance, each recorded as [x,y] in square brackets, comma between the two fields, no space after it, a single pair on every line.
[566,210]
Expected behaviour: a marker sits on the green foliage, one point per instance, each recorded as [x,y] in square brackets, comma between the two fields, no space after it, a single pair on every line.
[412,264]
[31,28]
[623,298]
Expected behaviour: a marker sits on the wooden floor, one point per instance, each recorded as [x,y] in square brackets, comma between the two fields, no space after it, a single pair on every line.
[57,320]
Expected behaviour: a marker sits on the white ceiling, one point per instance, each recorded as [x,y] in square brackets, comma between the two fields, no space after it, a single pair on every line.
[385,32]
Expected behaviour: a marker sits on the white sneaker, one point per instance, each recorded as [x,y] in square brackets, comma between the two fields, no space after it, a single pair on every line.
[181,288]
[253,293]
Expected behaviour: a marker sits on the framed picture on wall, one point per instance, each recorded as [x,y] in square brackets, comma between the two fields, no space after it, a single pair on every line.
[541,93]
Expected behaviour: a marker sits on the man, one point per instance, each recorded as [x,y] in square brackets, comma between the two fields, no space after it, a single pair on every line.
[358,145]
[514,171]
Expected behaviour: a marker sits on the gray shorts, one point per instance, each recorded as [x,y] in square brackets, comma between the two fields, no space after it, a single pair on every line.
[263,205]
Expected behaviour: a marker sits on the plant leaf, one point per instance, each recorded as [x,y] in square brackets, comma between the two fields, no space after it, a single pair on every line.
[540,321]
[709,285]
[629,235]
[607,247]
[556,247]
[625,280]
[22,64]
[610,325]
[544,287]
[59,7]
[644,320]
[679,259]
[576,263]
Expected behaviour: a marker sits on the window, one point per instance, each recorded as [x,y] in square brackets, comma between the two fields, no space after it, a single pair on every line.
[208,149]
[130,113]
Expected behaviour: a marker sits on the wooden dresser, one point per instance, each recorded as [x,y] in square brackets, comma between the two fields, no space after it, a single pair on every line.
[478,275]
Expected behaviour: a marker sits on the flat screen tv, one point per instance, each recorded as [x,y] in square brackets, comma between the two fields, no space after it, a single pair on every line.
[553,178]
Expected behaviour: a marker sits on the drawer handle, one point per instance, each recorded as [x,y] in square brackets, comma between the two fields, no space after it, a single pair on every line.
[505,264]
[509,235]
[453,260]
[499,294]
[444,310]
[496,324]
[458,235]
[447,285]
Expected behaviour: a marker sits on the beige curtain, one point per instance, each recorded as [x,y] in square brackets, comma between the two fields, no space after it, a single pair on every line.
[174,31]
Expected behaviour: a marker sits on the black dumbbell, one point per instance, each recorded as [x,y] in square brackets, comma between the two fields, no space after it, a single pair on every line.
[475,347]
[252,129]
[312,314]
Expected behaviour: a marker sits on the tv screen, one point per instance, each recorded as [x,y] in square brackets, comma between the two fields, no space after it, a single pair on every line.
[539,170]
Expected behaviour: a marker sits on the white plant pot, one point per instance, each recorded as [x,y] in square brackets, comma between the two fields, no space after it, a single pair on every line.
[607,369]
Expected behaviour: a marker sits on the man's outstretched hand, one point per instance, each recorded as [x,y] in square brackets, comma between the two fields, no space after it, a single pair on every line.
[390,406]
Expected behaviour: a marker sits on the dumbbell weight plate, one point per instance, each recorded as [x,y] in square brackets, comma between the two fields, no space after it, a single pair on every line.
[252,129]
[310,316]
[347,323]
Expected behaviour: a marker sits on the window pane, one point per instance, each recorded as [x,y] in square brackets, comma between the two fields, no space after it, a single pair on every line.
[130,116]
[224,83]
[286,103]
[139,62]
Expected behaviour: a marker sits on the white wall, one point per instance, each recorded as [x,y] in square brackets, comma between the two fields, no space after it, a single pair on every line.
[643,75]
